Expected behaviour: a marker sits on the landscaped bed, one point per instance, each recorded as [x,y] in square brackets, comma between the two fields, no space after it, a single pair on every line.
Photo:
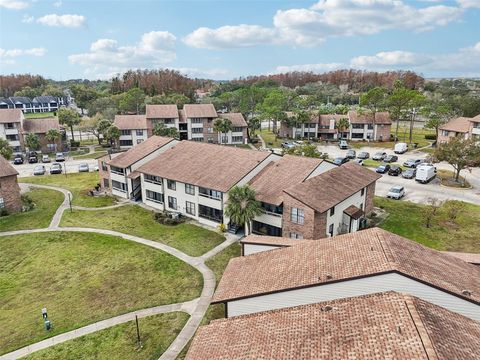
[447,178]
[135,220]
[406,219]
[120,342]
[82,278]
[78,183]
[46,203]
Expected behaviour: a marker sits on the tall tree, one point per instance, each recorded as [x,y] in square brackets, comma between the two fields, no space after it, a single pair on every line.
[5,149]
[29,92]
[274,106]
[70,118]
[374,100]
[32,141]
[222,126]
[459,153]
[242,207]
[254,124]
[95,125]
[84,95]
[342,125]
[437,113]
[105,106]
[113,135]
[133,101]
[52,135]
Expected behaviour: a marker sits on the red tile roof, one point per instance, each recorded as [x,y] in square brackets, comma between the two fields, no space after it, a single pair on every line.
[367,118]
[40,126]
[200,111]
[378,326]
[467,257]
[363,253]
[169,111]
[130,122]
[460,124]
[6,169]
[237,119]
[10,115]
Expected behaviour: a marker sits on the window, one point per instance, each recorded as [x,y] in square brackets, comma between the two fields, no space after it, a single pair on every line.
[172,202]
[126,143]
[197,139]
[2,203]
[362,192]
[117,170]
[139,132]
[171,184]
[169,121]
[197,120]
[209,213]
[332,211]
[361,206]
[10,126]
[104,166]
[210,140]
[154,196]
[297,216]
[190,208]
[212,194]
[152,179]
[117,185]
[197,130]
[445,133]
[370,126]
[330,230]
[237,129]
[272,209]
[295,235]
[357,126]
[125,132]
[237,139]
[12,137]
[106,183]
[189,189]
[210,130]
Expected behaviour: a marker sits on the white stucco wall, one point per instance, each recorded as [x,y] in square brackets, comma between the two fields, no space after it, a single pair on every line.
[356,199]
[249,249]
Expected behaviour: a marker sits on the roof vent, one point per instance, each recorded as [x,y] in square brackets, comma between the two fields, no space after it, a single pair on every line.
[399,329]
[467,292]
[327,308]
[329,277]
[371,248]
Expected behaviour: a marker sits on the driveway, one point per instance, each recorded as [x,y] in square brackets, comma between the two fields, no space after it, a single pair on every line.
[71,165]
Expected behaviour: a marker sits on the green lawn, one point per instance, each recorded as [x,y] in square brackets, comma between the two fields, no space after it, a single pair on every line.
[269,138]
[46,203]
[78,183]
[94,155]
[39,115]
[120,342]
[418,136]
[135,220]
[82,278]
[375,164]
[405,219]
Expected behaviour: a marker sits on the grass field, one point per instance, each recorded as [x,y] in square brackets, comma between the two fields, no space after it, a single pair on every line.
[120,342]
[131,219]
[46,203]
[82,278]
[269,138]
[93,155]
[418,136]
[405,219]
[38,115]
[78,183]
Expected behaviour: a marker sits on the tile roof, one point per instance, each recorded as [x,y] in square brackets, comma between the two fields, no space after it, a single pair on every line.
[200,111]
[286,172]
[354,212]
[40,126]
[378,326]
[21,99]
[475,119]
[211,166]
[10,115]
[6,169]
[270,240]
[363,253]
[237,119]
[313,116]
[467,257]
[367,118]
[169,111]
[138,152]
[44,99]
[336,185]
[324,119]
[130,122]
[460,124]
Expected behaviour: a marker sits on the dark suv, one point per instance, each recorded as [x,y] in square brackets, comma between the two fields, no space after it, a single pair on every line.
[395,170]
[18,159]
[32,157]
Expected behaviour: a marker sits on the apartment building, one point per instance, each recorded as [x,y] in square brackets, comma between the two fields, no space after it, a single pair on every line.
[463,127]
[10,198]
[357,264]
[118,171]
[11,128]
[133,130]
[320,127]
[40,128]
[364,127]
[36,105]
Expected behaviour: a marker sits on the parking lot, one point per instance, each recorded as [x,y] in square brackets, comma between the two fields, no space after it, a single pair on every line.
[70,165]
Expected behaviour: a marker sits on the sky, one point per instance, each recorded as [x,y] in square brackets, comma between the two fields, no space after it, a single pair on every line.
[226,39]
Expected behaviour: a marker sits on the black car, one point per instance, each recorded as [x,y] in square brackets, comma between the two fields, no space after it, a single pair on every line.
[395,171]
[390,158]
[383,168]
[351,154]
[340,160]
[409,174]
[56,168]
[363,155]
[18,159]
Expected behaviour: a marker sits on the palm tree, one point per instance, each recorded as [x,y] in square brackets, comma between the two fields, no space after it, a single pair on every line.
[342,125]
[222,126]
[303,117]
[32,141]
[241,206]
[52,136]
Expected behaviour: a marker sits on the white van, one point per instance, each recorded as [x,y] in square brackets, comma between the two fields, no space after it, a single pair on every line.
[400,148]
[425,173]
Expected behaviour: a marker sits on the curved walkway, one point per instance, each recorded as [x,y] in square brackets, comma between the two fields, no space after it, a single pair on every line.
[196,307]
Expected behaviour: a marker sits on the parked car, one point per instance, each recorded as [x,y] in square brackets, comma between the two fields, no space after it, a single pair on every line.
[39,170]
[379,156]
[396,192]
[351,154]
[340,160]
[409,173]
[390,158]
[363,155]
[83,167]
[45,159]
[395,170]
[383,168]
[59,157]
[56,168]
[358,161]
[412,163]
[425,173]
[400,148]
[32,157]
[18,159]
[343,144]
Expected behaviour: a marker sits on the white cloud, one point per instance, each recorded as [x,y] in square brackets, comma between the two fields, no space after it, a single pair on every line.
[203,73]
[387,59]
[107,57]
[317,68]
[14,4]
[230,37]
[328,18]
[57,4]
[27,19]
[8,56]
[469,3]
[68,20]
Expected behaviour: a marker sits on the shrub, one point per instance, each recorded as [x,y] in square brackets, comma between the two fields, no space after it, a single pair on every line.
[3,212]
[222,227]
[74,144]
[430,137]
[27,203]
[167,218]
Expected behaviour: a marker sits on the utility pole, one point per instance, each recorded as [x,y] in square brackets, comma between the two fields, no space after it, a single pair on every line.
[412,119]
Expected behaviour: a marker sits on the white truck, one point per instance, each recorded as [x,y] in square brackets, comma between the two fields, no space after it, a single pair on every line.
[400,148]
[425,173]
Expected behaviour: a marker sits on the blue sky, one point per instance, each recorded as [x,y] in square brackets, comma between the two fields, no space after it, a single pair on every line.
[227,39]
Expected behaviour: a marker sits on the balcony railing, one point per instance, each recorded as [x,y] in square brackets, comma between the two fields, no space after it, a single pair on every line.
[212,218]
[272,213]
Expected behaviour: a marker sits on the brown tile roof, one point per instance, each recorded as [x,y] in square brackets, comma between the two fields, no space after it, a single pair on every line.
[367,118]
[333,186]
[363,253]
[169,111]
[130,122]
[378,326]
[313,116]
[270,240]
[6,169]
[467,257]
[200,111]
[354,212]
[211,166]
[475,119]
[282,174]
[324,119]
[10,115]
[40,126]
[460,124]
[237,119]
[138,152]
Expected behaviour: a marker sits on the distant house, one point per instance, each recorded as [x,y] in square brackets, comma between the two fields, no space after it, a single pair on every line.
[11,128]
[38,104]
[23,103]
[463,127]
[10,198]
[45,104]
[133,129]
[40,128]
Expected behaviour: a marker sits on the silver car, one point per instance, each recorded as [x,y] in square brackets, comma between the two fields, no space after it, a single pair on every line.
[83,167]
[396,192]
[39,170]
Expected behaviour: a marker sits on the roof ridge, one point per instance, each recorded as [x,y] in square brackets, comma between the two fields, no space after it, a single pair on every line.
[387,251]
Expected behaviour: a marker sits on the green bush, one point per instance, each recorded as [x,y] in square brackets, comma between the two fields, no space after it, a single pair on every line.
[27,203]
[3,212]
[166,218]
[74,144]
[430,137]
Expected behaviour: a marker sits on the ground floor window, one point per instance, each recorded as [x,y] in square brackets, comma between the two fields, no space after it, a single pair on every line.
[295,235]
[190,208]
[237,139]
[154,196]
[2,203]
[126,143]
[265,229]
[106,183]
[209,213]
[198,139]
[172,202]
[330,230]
[117,185]
[357,135]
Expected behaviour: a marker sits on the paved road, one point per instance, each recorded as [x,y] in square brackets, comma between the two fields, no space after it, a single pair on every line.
[71,166]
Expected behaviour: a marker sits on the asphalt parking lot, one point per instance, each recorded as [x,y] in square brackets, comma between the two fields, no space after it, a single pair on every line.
[70,165]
